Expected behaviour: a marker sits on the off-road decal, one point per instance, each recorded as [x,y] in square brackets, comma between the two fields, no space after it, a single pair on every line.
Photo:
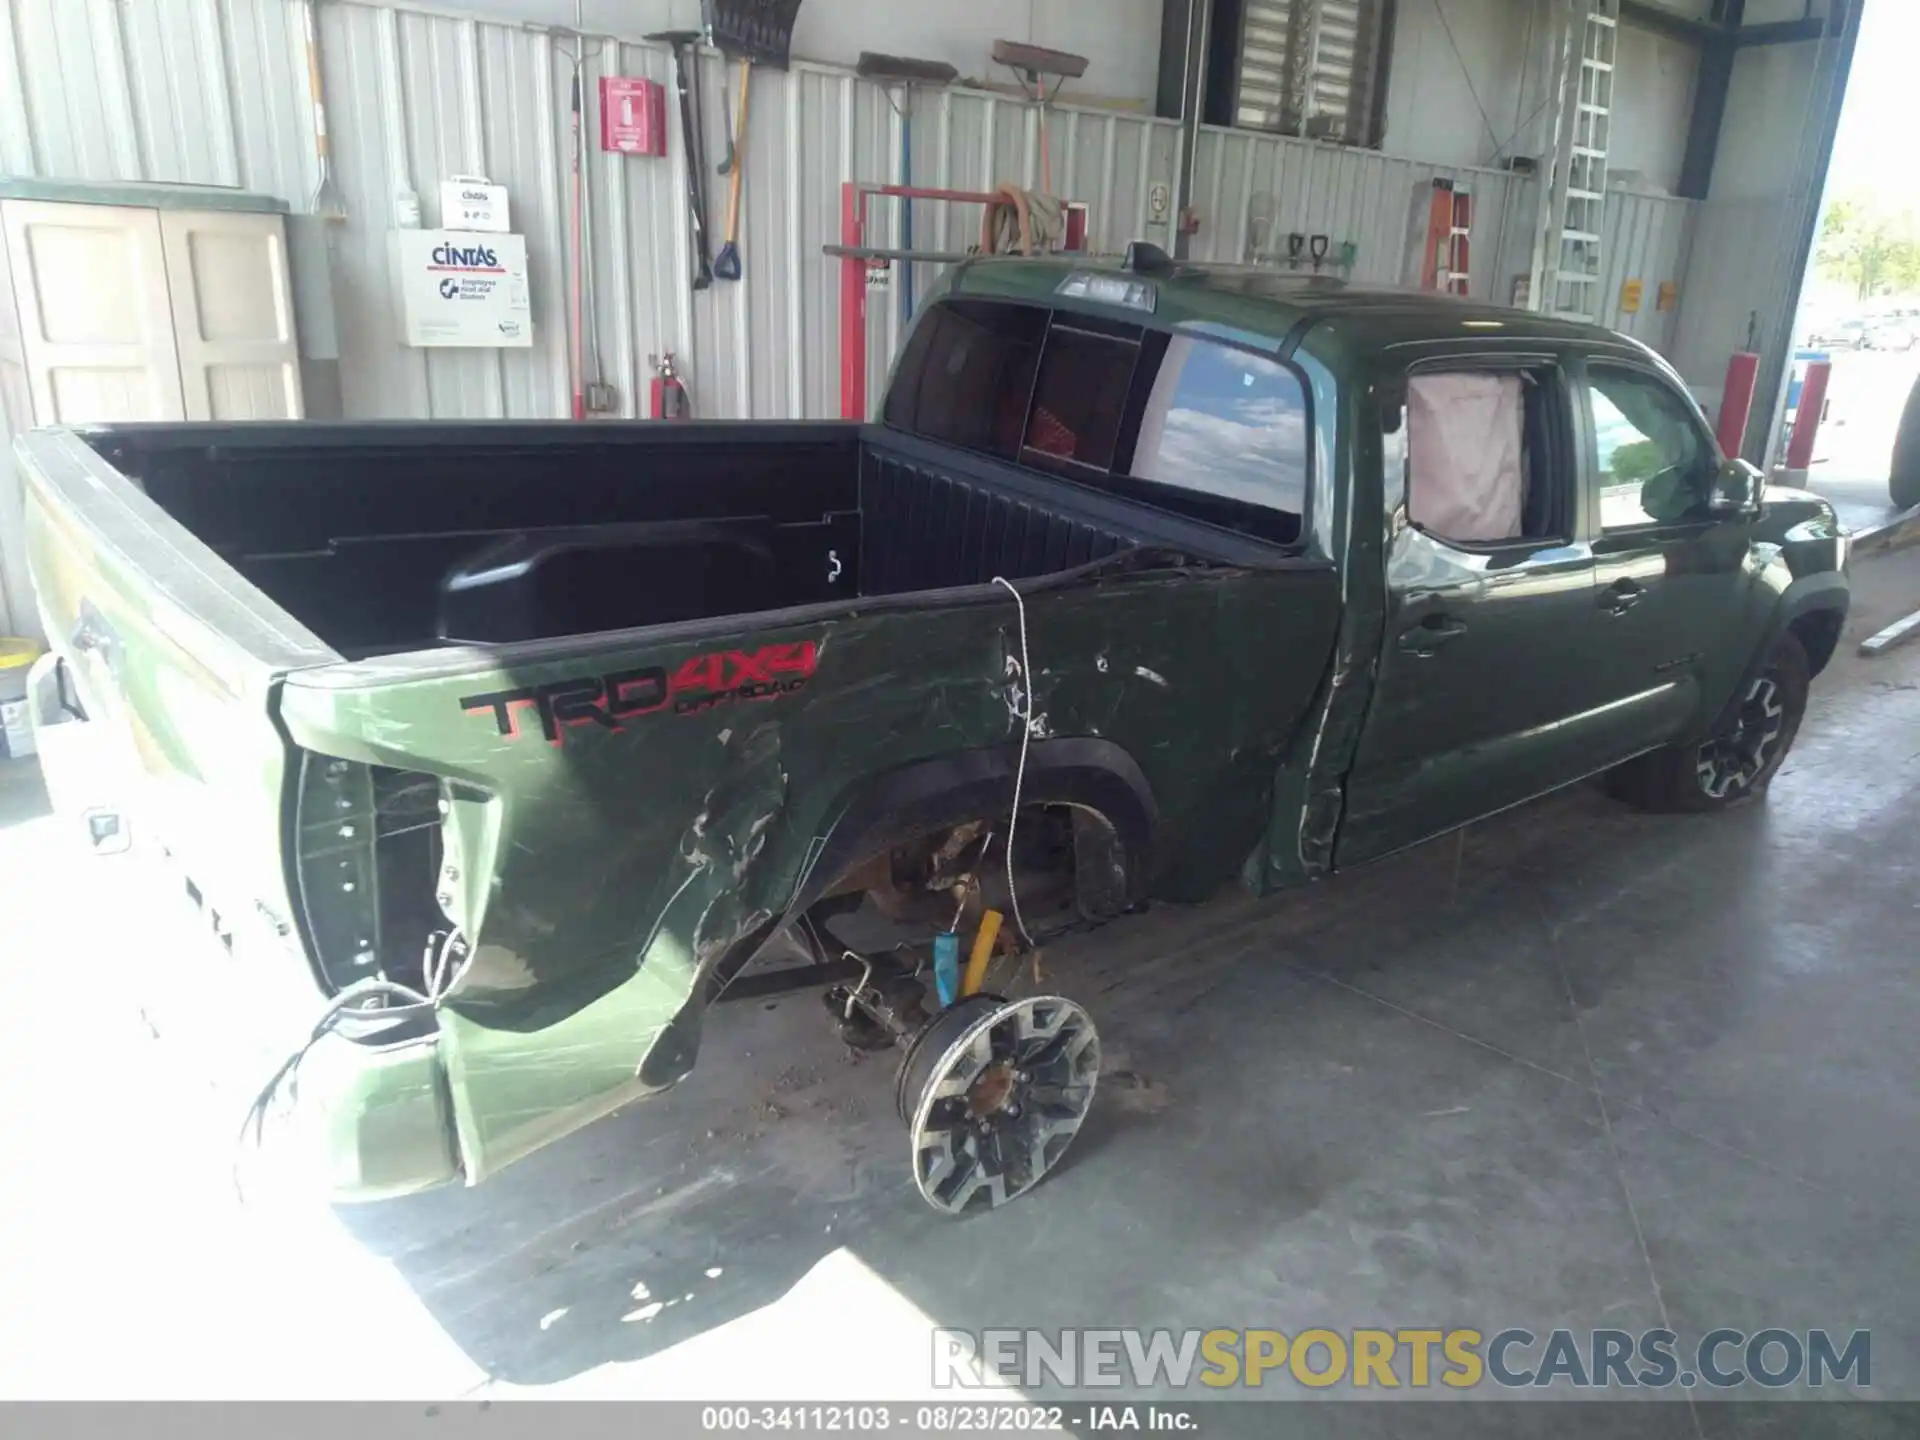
[610,702]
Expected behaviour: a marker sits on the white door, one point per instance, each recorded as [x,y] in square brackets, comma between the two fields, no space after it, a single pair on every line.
[232,315]
[96,327]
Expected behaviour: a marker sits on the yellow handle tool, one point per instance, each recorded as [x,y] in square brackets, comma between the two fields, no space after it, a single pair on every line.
[983,940]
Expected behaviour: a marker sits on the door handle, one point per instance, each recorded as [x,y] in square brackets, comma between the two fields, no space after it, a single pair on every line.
[1430,634]
[1622,596]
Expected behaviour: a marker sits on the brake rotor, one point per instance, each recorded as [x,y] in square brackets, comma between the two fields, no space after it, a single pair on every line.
[994,1091]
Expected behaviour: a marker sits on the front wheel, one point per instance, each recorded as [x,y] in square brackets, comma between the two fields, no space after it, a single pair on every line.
[1739,760]
[1903,482]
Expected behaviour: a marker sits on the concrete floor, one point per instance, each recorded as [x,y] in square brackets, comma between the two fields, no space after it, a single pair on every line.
[1579,1067]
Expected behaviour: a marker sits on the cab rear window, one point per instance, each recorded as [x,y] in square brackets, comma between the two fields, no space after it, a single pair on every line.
[966,376]
[1185,423]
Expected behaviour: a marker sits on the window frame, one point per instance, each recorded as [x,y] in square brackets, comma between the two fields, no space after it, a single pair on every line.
[1126,429]
[1590,458]
[1115,481]
[1571,511]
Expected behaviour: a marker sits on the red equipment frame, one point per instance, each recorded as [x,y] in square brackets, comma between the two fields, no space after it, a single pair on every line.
[857,258]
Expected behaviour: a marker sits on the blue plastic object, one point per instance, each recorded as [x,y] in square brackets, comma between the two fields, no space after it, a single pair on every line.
[1801,359]
[946,966]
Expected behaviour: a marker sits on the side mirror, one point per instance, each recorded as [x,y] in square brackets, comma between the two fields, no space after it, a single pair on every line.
[1737,489]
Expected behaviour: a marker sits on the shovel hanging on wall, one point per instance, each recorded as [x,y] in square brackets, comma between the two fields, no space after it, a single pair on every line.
[686,84]
[756,30]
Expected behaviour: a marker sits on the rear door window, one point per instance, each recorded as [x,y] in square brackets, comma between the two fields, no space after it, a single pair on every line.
[1488,461]
[1466,456]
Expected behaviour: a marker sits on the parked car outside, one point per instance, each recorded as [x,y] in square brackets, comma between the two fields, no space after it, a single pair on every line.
[1889,334]
[1850,334]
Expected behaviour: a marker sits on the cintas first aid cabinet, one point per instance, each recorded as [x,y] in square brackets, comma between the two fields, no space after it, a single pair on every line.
[462,288]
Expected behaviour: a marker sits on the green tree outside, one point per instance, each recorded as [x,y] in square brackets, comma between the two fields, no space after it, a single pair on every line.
[1869,246]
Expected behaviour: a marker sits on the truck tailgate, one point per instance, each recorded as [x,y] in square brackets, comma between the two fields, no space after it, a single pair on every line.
[175,659]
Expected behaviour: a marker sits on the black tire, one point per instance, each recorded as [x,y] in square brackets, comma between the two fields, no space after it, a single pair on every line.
[1737,763]
[1904,475]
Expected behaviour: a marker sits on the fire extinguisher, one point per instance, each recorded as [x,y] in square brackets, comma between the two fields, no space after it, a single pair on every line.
[670,399]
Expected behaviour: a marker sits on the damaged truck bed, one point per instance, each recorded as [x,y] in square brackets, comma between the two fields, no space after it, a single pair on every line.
[560,725]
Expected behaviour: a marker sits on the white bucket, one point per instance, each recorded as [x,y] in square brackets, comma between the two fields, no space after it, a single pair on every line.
[16,713]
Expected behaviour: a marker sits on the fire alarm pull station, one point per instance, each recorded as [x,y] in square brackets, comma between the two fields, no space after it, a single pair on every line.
[633,115]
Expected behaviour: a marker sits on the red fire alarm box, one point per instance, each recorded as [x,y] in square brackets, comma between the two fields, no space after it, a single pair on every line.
[633,115]
[1076,237]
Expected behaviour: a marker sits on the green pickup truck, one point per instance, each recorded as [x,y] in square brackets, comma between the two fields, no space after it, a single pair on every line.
[521,744]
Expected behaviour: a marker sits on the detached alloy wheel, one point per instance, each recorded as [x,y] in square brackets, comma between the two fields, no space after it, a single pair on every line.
[1738,761]
[994,1092]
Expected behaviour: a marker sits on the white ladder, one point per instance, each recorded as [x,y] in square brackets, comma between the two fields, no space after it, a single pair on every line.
[1566,274]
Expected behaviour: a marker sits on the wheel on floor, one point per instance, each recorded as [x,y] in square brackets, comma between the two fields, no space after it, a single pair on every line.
[994,1091]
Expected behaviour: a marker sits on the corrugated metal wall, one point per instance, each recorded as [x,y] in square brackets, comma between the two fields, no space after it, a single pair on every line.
[1242,177]
[213,91]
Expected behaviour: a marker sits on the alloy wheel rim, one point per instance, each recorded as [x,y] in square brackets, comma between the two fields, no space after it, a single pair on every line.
[1735,759]
[1004,1102]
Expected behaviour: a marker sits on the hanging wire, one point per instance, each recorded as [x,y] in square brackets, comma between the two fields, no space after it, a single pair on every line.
[1026,744]
[363,1010]
[1466,75]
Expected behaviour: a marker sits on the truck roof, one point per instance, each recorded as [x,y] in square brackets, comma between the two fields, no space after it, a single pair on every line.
[1267,305]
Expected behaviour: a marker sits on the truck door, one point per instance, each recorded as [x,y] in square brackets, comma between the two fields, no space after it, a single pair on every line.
[1484,694]
[1672,621]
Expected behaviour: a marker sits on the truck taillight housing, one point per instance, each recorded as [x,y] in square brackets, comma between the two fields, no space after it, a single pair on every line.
[366,854]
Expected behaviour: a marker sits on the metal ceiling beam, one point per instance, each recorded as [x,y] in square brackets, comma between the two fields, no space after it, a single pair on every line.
[1643,16]
[1783,32]
[1725,38]
[1726,25]
[1710,100]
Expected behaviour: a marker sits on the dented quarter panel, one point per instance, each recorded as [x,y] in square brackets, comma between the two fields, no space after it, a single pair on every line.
[602,876]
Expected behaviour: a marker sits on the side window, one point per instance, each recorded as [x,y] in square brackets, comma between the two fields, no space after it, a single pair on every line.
[1484,456]
[1226,429]
[1652,459]
[966,375]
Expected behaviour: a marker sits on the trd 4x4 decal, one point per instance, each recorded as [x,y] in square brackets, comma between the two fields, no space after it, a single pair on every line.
[609,701]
